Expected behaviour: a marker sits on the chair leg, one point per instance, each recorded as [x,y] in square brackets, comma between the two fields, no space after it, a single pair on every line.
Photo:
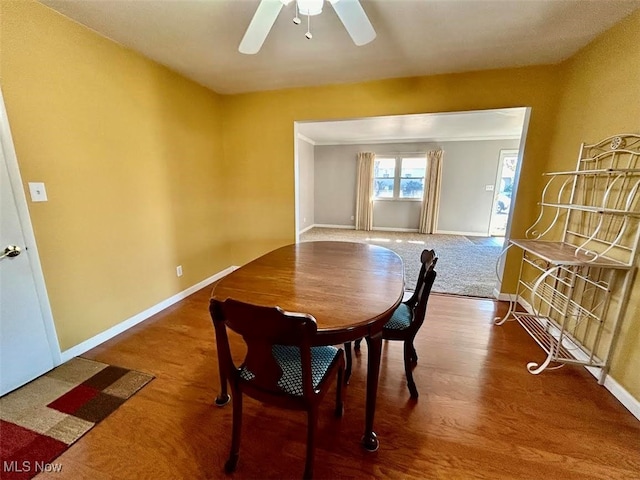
[312,414]
[357,344]
[408,348]
[415,354]
[223,397]
[340,393]
[347,352]
[232,462]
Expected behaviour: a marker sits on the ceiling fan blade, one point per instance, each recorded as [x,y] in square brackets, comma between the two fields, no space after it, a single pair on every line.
[260,25]
[355,20]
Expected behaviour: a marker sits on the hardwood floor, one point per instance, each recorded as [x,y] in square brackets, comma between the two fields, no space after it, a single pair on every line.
[487,241]
[480,414]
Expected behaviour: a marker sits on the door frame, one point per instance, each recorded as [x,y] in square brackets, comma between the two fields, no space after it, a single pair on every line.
[15,180]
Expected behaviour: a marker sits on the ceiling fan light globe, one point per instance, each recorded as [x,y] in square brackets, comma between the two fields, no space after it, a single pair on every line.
[310,7]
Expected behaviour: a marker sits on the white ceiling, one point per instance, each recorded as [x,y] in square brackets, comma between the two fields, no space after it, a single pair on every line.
[199,38]
[504,123]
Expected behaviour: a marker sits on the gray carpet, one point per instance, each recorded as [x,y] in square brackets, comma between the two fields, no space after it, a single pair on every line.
[465,267]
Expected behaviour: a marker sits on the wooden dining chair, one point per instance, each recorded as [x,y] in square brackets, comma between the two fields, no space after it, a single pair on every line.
[280,367]
[407,320]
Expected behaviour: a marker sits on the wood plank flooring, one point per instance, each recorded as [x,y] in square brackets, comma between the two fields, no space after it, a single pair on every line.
[480,414]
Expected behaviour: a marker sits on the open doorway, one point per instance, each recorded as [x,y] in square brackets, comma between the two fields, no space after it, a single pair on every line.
[475,146]
[505,180]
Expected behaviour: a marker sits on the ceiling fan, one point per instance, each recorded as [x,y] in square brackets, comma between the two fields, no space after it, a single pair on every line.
[350,13]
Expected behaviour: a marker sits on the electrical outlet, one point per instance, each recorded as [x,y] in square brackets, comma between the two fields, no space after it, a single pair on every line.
[179,270]
[352,217]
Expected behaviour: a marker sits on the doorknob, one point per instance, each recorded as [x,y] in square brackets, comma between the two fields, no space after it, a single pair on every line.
[10,251]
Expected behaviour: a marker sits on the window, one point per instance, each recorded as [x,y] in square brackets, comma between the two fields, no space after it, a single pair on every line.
[399,177]
[384,172]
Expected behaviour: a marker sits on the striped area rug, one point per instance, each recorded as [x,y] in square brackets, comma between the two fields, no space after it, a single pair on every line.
[42,419]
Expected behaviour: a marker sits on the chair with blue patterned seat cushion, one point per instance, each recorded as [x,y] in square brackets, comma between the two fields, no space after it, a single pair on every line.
[280,367]
[407,319]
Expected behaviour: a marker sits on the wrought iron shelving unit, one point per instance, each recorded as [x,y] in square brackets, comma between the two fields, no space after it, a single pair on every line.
[575,289]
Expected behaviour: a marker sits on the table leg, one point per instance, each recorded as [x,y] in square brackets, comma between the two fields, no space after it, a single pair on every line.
[374,349]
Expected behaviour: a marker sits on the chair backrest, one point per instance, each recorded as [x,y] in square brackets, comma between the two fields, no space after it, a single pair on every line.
[420,297]
[428,261]
[261,328]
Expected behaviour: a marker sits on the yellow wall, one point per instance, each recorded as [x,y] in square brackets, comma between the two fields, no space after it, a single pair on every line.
[259,138]
[601,97]
[130,153]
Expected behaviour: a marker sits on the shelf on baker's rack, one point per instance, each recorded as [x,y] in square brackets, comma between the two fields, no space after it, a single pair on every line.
[596,171]
[560,253]
[546,333]
[591,209]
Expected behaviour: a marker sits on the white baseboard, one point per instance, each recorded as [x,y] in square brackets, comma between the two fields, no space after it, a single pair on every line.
[140,317]
[352,227]
[326,225]
[305,229]
[394,229]
[503,297]
[624,397]
[618,391]
[466,234]
[524,304]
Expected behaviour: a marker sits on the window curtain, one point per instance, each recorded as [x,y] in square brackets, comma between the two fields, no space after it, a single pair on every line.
[431,195]
[364,197]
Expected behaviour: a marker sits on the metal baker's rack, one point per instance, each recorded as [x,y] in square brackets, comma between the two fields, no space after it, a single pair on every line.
[578,258]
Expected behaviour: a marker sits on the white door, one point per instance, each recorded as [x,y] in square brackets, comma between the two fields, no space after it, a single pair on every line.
[28,345]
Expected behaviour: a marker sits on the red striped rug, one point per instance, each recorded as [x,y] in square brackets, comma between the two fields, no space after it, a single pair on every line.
[42,419]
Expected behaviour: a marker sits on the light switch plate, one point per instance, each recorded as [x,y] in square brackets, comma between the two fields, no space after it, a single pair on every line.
[38,192]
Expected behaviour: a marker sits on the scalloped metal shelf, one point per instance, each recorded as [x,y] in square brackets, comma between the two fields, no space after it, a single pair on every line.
[561,253]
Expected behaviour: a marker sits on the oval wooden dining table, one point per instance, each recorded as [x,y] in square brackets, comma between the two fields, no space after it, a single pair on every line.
[351,289]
